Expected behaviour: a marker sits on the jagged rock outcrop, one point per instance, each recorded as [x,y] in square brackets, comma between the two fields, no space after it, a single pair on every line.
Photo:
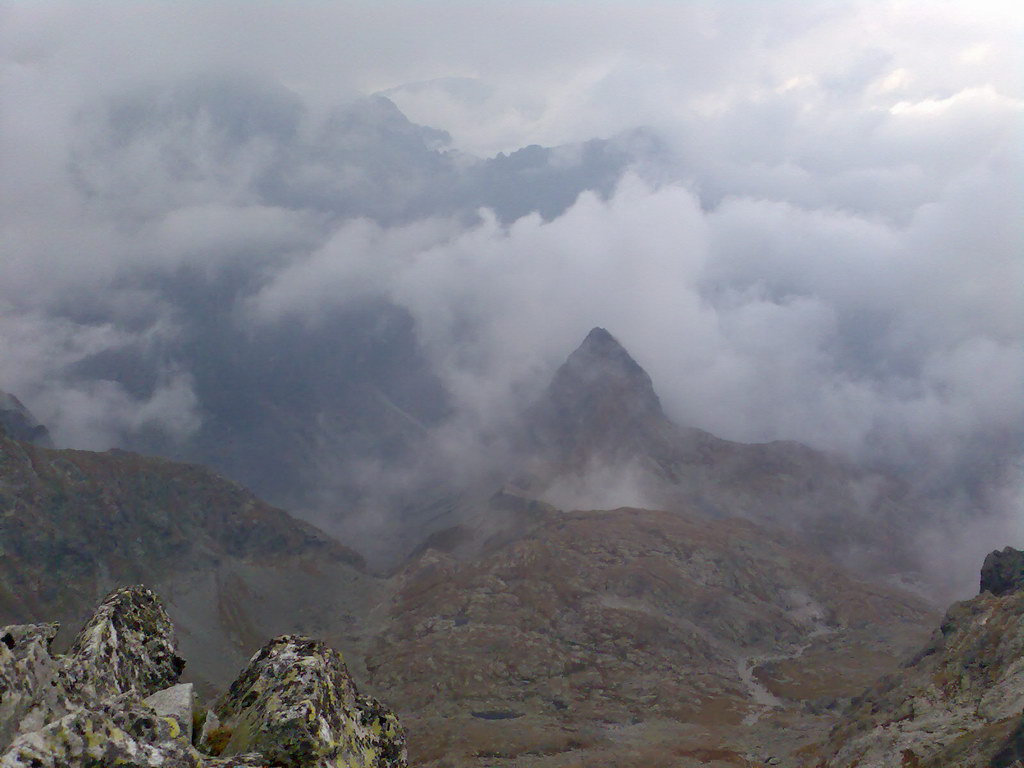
[296,704]
[959,702]
[127,646]
[85,708]
[114,699]
[1003,572]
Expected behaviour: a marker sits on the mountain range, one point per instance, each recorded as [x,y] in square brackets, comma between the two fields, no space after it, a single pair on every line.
[700,627]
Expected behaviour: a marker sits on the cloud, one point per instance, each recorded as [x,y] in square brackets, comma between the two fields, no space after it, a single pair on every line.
[41,355]
[802,219]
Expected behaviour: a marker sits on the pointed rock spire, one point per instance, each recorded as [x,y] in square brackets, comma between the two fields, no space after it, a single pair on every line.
[599,403]
[18,422]
[601,375]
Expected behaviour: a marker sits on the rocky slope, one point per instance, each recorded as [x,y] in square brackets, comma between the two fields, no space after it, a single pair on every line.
[234,570]
[631,638]
[959,701]
[113,699]
[526,636]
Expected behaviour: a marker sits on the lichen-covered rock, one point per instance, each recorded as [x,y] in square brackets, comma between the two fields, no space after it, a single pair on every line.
[123,731]
[1003,572]
[26,669]
[296,704]
[127,645]
[20,639]
[388,732]
[178,702]
[249,760]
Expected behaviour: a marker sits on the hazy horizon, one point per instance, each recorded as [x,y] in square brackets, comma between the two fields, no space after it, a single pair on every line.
[802,219]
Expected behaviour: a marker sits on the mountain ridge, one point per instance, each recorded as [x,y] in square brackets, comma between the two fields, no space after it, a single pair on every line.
[598,432]
[78,523]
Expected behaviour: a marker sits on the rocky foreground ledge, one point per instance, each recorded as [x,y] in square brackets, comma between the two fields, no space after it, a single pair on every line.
[959,703]
[114,699]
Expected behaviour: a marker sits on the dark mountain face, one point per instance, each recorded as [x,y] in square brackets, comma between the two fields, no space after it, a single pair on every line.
[19,423]
[599,402]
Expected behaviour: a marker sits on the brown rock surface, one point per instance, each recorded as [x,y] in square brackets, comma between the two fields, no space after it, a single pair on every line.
[632,633]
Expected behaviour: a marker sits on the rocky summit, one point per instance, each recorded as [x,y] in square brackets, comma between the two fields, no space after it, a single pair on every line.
[114,699]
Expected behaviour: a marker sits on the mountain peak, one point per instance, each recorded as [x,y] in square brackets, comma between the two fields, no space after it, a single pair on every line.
[599,401]
[602,345]
[601,369]
[18,422]
[599,338]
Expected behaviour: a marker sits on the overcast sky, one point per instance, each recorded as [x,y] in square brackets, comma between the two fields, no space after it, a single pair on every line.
[816,235]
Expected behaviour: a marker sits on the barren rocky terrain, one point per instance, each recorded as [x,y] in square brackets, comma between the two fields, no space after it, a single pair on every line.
[701,633]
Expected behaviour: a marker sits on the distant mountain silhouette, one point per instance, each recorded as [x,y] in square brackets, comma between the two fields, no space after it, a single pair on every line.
[599,429]
[18,422]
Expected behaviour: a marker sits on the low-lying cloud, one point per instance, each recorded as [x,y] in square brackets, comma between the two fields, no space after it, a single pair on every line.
[802,220]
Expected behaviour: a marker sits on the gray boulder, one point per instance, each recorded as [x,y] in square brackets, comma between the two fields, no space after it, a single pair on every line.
[85,708]
[177,702]
[127,645]
[1003,572]
[26,670]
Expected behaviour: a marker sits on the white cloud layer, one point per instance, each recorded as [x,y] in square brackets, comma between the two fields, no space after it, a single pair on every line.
[818,236]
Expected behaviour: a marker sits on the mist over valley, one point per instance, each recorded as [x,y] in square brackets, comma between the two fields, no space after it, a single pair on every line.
[619,385]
